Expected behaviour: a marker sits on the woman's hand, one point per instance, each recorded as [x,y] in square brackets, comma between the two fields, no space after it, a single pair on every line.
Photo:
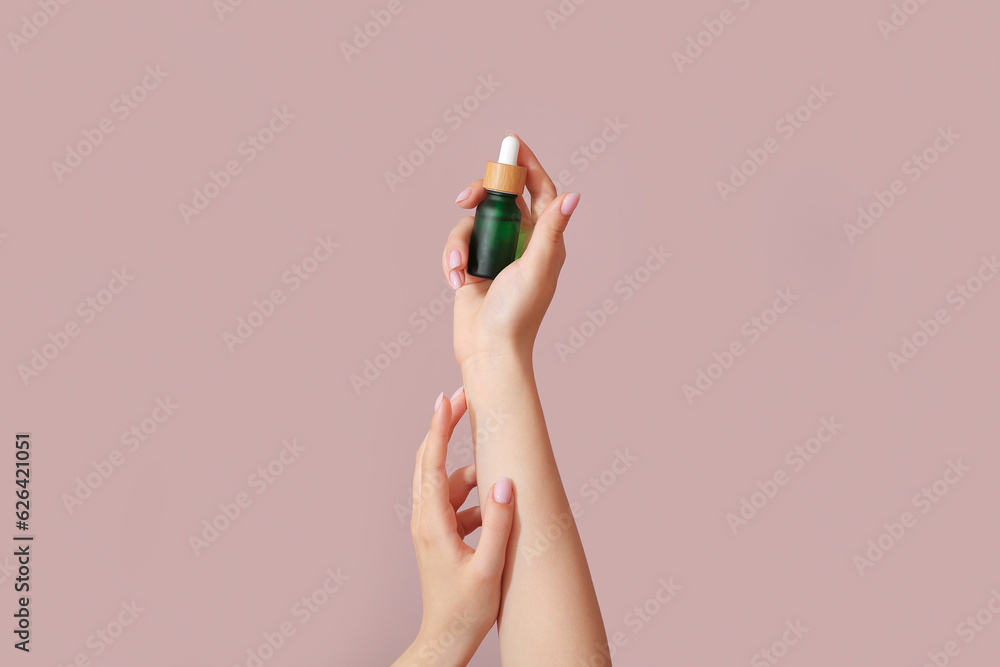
[460,585]
[503,315]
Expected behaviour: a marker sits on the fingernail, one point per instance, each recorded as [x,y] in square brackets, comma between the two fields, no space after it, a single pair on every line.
[455,277]
[457,392]
[569,203]
[437,403]
[454,259]
[502,491]
[464,194]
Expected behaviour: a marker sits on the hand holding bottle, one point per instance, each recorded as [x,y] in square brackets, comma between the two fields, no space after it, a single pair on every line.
[503,315]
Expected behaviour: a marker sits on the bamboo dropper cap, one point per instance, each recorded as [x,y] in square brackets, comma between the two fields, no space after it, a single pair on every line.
[504,175]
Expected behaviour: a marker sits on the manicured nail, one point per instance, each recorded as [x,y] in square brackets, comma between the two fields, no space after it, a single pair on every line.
[569,203]
[454,259]
[502,491]
[437,403]
[455,277]
[464,194]
[457,392]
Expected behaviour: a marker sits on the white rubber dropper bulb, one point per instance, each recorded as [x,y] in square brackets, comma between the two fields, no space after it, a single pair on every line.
[508,151]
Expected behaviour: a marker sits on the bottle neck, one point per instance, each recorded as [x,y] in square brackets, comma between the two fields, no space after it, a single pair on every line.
[499,193]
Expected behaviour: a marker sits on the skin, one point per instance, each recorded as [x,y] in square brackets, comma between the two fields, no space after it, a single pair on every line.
[529,573]
[460,585]
[549,612]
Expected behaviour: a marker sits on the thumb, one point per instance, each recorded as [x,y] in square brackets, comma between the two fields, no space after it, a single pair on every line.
[498,516]
[546,249]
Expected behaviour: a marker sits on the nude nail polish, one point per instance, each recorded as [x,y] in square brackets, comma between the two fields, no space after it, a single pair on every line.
[502,491]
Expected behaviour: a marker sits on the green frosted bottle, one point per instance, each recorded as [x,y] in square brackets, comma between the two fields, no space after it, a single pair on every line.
[496,235]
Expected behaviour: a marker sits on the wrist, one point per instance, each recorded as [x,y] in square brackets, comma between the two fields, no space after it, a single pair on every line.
[496,369]
[474,345]
[498,356]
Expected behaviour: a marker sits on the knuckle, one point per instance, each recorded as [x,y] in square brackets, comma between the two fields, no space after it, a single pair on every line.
[553,234]
[560,256]
[458,232]
[436,479]
[425,537]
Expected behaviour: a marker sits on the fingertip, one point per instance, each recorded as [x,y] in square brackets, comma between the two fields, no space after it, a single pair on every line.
[456,248]
[498,520]
[459,405]
[503,491]
[569,203]
[471,196]
[455,276]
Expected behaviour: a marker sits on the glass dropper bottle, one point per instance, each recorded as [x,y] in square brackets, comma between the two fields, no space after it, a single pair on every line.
[494,241]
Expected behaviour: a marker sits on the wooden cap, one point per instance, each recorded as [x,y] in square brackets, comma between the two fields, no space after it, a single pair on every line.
[505,177]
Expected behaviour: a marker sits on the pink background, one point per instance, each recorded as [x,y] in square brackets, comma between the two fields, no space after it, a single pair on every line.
[337,505]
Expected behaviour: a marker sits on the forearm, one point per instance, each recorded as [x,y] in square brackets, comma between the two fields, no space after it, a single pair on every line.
[549,612]
[442,651]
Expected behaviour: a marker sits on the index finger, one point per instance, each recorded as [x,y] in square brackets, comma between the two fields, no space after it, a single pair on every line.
[539,185]
[434,476]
